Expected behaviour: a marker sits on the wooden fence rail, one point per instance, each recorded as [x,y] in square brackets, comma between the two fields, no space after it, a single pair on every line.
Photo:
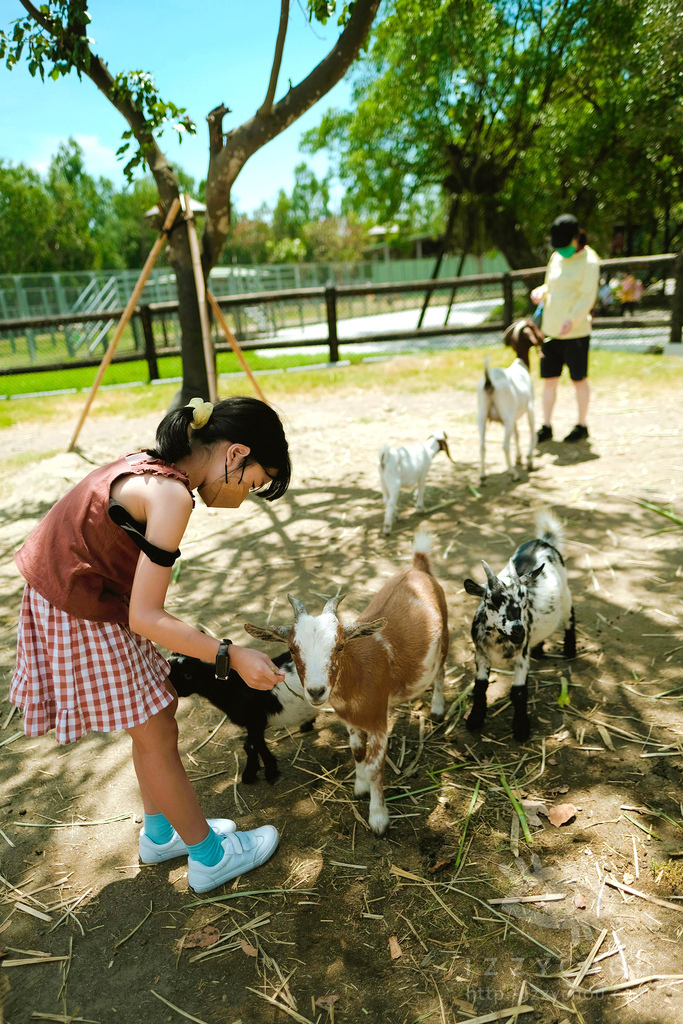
[669,266]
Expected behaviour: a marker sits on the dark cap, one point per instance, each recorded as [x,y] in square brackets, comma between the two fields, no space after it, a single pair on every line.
[562,230]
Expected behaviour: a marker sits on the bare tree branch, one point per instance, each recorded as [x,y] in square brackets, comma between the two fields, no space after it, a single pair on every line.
[267,105]
[243,141]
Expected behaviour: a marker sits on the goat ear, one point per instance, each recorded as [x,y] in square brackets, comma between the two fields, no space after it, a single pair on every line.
[529,577]
[359,629]
[475,589]
[278,634]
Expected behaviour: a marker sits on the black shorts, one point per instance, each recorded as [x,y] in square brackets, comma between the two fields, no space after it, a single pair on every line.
[569,352]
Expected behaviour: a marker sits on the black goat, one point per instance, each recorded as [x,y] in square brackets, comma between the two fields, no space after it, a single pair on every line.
[282,707]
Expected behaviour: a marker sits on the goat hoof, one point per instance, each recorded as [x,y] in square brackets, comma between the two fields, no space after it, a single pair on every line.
[249,777]
[537,652]
[273,776]
[474,724]
[521,731]
[379,823]
[307,726]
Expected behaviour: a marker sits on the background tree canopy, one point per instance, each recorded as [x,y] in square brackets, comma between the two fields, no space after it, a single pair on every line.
[518,110]
[54,39]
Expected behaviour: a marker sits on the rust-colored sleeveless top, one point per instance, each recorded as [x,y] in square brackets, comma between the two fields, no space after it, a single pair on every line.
[78,558]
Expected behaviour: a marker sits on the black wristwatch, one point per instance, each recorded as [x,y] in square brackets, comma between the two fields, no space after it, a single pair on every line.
[223,660]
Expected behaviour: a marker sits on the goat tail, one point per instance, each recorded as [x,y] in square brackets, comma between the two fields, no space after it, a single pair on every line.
[550,529]
[422,545]
[383,455]
[488,383]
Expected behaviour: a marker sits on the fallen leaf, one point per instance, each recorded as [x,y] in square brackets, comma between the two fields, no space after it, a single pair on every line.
[560,814]
[394,948]
[326,1000]
[558,791]
[579,901]
[205,937]
[248,948]
[629,879]
[439,866]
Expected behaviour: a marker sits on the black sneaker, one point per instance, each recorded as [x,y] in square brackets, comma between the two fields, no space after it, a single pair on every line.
[578,433]
[544,434]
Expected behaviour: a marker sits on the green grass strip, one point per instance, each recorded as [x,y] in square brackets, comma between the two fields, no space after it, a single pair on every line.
[518,808]
[467,821]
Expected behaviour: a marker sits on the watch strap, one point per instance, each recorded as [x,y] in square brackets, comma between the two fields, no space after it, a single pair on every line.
[223,659]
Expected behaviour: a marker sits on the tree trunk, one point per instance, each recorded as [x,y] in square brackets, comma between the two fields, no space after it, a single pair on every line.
[508,237]
[195,380]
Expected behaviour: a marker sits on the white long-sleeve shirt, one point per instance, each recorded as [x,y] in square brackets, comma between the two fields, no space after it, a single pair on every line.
[569,292]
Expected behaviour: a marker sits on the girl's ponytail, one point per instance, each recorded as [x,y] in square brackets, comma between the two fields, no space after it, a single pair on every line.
[173,441]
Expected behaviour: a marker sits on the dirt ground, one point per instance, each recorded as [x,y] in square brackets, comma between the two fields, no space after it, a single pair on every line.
[341,925]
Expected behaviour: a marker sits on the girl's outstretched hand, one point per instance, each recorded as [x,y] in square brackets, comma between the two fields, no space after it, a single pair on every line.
[256,668]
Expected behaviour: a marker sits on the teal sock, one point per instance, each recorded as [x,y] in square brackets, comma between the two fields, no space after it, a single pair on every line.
[158,828]
[209,851]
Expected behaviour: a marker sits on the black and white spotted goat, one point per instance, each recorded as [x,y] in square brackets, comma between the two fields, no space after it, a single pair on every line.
[255,710]
[519,609]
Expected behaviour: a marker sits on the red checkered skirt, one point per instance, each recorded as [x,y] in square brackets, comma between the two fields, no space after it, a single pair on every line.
[76,676]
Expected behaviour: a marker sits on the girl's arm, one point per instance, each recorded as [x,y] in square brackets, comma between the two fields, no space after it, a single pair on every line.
[167,505]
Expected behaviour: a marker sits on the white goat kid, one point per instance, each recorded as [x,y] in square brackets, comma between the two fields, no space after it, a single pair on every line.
[505,395]
[519,609]
[395,650]
[407,467]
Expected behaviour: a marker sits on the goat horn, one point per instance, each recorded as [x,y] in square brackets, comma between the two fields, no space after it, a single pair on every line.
[333,604]
[490,574]
[298,607]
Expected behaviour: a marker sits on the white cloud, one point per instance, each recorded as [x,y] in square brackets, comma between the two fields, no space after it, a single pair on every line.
[99,160]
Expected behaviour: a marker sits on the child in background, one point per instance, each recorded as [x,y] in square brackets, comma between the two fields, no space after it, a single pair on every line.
[97,570]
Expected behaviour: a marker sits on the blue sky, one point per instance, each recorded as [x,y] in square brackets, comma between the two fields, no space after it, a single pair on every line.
[200,55]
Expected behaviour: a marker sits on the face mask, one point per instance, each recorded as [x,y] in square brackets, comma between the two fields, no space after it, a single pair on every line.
[567,250]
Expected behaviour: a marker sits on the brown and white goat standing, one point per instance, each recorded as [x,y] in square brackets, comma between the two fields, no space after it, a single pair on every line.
[394,651]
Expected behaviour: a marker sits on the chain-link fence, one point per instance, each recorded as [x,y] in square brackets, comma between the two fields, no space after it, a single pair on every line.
[55,328]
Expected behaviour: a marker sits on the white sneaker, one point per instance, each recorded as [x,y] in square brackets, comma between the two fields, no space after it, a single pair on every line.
[154,853]
[243,851]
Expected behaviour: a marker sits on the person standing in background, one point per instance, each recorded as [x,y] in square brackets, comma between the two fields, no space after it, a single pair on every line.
[568,296]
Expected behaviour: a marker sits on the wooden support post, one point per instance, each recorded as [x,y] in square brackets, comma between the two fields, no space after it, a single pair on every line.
[150,350]
[331,308]
[201,299]
[127,313]
[677,303]
[508,301]
[223,324]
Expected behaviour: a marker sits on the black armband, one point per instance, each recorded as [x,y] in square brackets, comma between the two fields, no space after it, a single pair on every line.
[136,531]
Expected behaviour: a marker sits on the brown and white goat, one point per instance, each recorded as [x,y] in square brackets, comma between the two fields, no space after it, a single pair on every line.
[504,395]
[394,651]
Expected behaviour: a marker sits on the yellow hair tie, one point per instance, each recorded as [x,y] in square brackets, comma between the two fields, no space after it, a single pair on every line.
[202,412]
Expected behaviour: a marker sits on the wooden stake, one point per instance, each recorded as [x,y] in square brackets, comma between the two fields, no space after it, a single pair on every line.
[201,299]
[223,324]
[127,313]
